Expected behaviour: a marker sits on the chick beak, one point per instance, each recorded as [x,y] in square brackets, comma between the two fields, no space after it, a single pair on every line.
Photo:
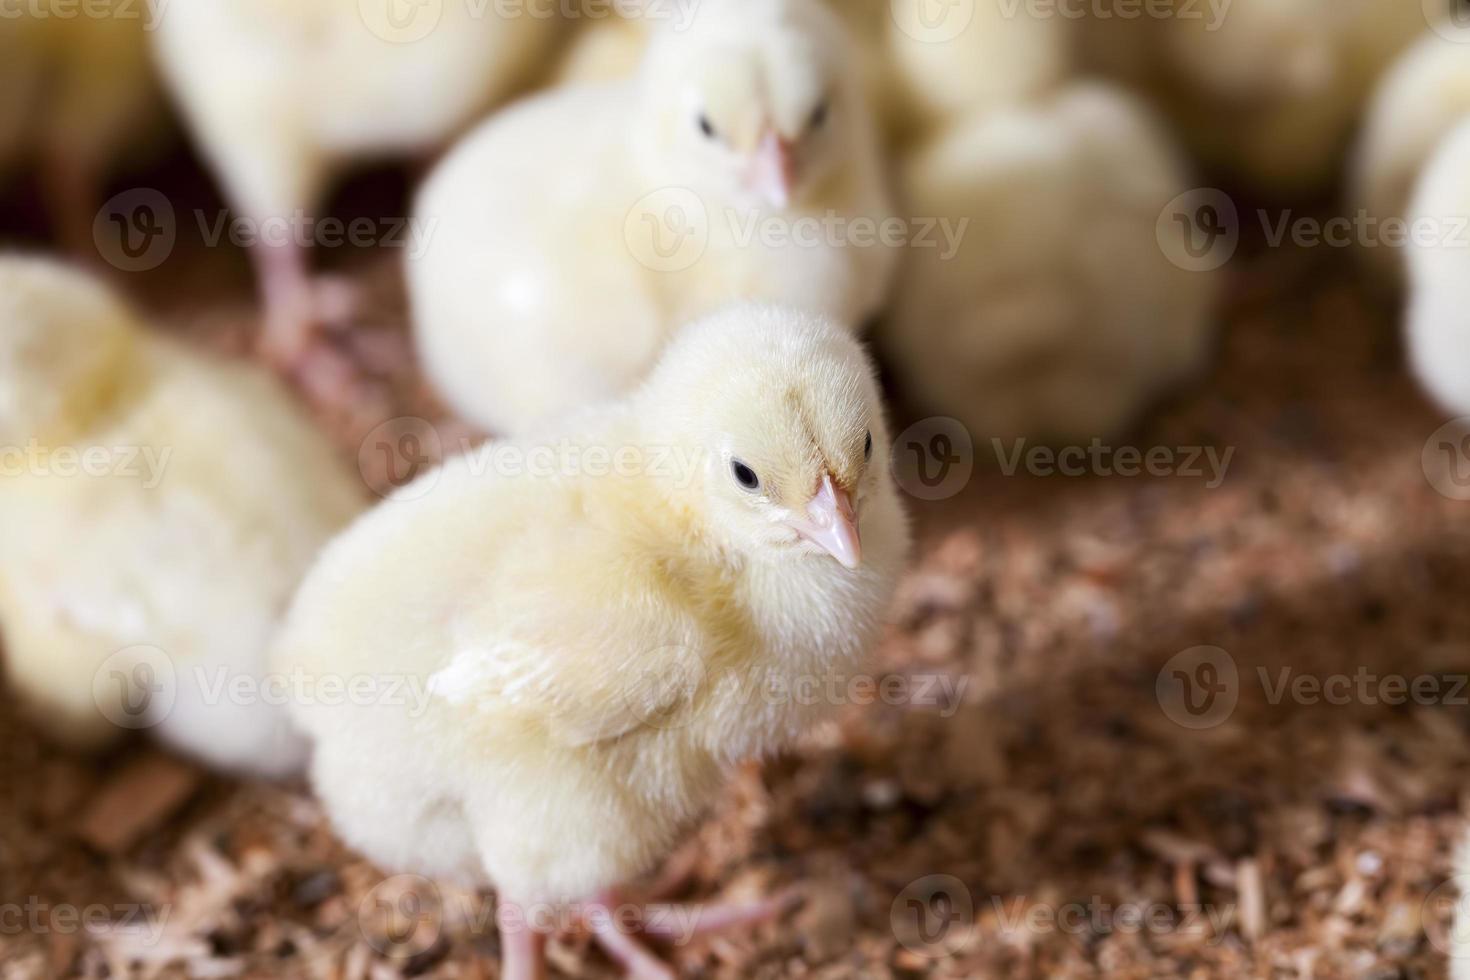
[774,171]
[833,524]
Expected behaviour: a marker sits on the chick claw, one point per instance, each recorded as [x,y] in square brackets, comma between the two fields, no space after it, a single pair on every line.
[525,953]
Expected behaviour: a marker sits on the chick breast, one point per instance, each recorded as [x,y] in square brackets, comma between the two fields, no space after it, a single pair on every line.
[1058,315]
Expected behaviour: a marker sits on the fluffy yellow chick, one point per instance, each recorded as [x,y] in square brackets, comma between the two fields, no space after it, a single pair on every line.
[953,59]
[1058,315]
[1439,273]
[1269,91]
[158,509]
[77,94]
[281,93]
[1417,103]
[610,46]
[584,626]
[742,164]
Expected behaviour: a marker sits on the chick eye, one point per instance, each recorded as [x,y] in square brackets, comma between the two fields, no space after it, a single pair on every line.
[819,115]
[745,476]
[868,445]
[706,127]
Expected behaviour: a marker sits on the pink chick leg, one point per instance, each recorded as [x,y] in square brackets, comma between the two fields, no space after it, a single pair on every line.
[642,964]
[295,309]
[523,953]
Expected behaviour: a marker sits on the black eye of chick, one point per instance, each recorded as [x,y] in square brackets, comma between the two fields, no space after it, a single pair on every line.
[868,445]
[819,116]
[745,476]
[706,127]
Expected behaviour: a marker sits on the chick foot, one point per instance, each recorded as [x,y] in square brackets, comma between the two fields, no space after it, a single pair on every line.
[674,924]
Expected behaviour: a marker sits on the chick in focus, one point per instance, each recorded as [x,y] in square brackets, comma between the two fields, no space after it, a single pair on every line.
[78,96]
[1438,318]
[593,640]
[1059,315]
[159,509]
[1268,91]
[1417,103]
[737,166]
[281,94]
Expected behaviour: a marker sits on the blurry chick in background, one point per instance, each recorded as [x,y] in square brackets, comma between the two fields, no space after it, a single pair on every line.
[282,94]
[77,96]
[1268,91]
[1060,316]
[595,643]
[1417,103]
[1438,325]
[573,232]
[206,497]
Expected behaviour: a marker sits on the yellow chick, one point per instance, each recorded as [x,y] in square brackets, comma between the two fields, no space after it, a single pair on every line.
[954,59]
[588,625]
[1417,103]
[1439,273]
[1058,314]
[158,509]
[77,95]
[280,94]
[610,45]
[1269,91]
[742,164]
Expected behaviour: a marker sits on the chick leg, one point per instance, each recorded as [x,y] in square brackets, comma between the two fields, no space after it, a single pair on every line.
[523,953]
[285,286]
[660,921]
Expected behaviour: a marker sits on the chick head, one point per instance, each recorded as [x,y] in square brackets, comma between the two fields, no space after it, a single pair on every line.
[67,348]
[1262,50]
[785,418]
[752,101]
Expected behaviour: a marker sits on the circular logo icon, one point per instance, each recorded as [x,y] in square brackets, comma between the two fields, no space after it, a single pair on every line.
[667,230]
[136,687]
[135,231]
[661,698]
[932,21]
[934,916]
[1450,19]
[402,916]
[1198,688]
[395,456]
[1199,230]
[1446,459]
[1446,917]
[934,458]
[401,21]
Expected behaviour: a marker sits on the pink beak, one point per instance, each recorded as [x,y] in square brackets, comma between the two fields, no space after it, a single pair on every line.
[833,524]
[774,172]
